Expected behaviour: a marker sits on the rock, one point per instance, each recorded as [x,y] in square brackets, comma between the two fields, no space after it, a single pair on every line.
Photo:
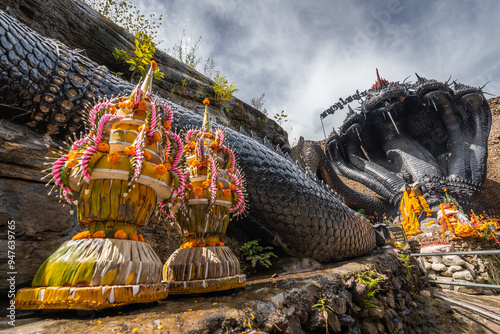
[453,260]
[368,327]
[359,292]
[445,279]
[439,267]
[437,249]
[488,292]
[278,300]
[334,322]
[338,304]
[447,273]
[426,293]
[427,265]
[390,299]
[463,275]
[454,268]
[376,312]
[469,290]
[480,279]
[346,320]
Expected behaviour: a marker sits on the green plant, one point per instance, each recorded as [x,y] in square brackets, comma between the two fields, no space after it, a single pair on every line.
[128,16]
[186,51]
[223,90]
[257,254]
[371,279]
[281,117]
[141,59]
[321,303]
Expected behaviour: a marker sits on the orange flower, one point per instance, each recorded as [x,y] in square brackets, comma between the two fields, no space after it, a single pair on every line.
[220,185]
[232,186]
[134,237]
[230,170]
[114,157]
[167,125]
[103,147]
[205,184]
[154,64]
[142,106]
[195,163]
[129,150]
[189,186]
[197,191]
[160,169]
[112,109]
[167,166]
[212,243]
[150,141]
[99,235]
[192,144]
[140,237]
[120,234]
[227,192]
[206,101]
[156,137]
[142,126]
[214,144]
[147,155]
[73,155]
[221,243]
[71,163]
[81,235]
[204,163]
[202,244]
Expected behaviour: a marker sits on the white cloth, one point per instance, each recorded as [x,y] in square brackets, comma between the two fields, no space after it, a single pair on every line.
[460,216]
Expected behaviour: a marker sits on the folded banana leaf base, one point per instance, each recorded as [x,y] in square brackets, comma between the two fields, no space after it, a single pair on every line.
[89,274]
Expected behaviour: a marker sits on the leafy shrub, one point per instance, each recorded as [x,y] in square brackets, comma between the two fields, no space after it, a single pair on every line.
[223,90]
[257,254]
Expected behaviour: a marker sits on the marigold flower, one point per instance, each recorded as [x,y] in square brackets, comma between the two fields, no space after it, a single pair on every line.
[99,235]
[160,169]
[197,191]
[206,101]
[189,186]
[232,186]
[140,237]
[103,147]
[220,185]
[156,137]
[205,184]
[154,64]
[147,155]
[71,163]
[227,192]
[200,168]
[143,126]
[134,237]
[195,163]
[214,144]
[204,163]
[221,243]
[230,170]
[202,244]
[113,157]
[167,165]
[212,243]
[129,150]
[73,155]
[81,235]
[167,125]
[142,106]
[192,144]
[120,234]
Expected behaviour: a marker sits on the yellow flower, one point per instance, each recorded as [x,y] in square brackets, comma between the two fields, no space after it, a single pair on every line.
[103,147]
[129,150]
[205,184]
[206,101]
[195,163]
[134,237]
[192,144]
[113,157]
[214,144]
[81,235]
[147,155]
[99,235]
[74,155]
[120,234]
[71,163]
[143,126]
[160,169]
[197,191]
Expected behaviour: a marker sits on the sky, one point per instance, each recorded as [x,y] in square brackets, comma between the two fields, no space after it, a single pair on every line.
[305,55]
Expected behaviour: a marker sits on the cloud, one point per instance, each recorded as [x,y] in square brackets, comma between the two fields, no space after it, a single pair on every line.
[307,55]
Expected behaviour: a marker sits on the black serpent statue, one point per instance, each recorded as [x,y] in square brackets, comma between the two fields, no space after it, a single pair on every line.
[46,86]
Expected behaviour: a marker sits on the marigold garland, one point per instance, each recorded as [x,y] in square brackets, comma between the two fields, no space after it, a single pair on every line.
[160,169]
[134,237]
[197,191]
[147,155]
[114,157]
[103,147]
[99,235]
[129,150]
[227,192]
[120,234]
[140,237]
[81,235]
